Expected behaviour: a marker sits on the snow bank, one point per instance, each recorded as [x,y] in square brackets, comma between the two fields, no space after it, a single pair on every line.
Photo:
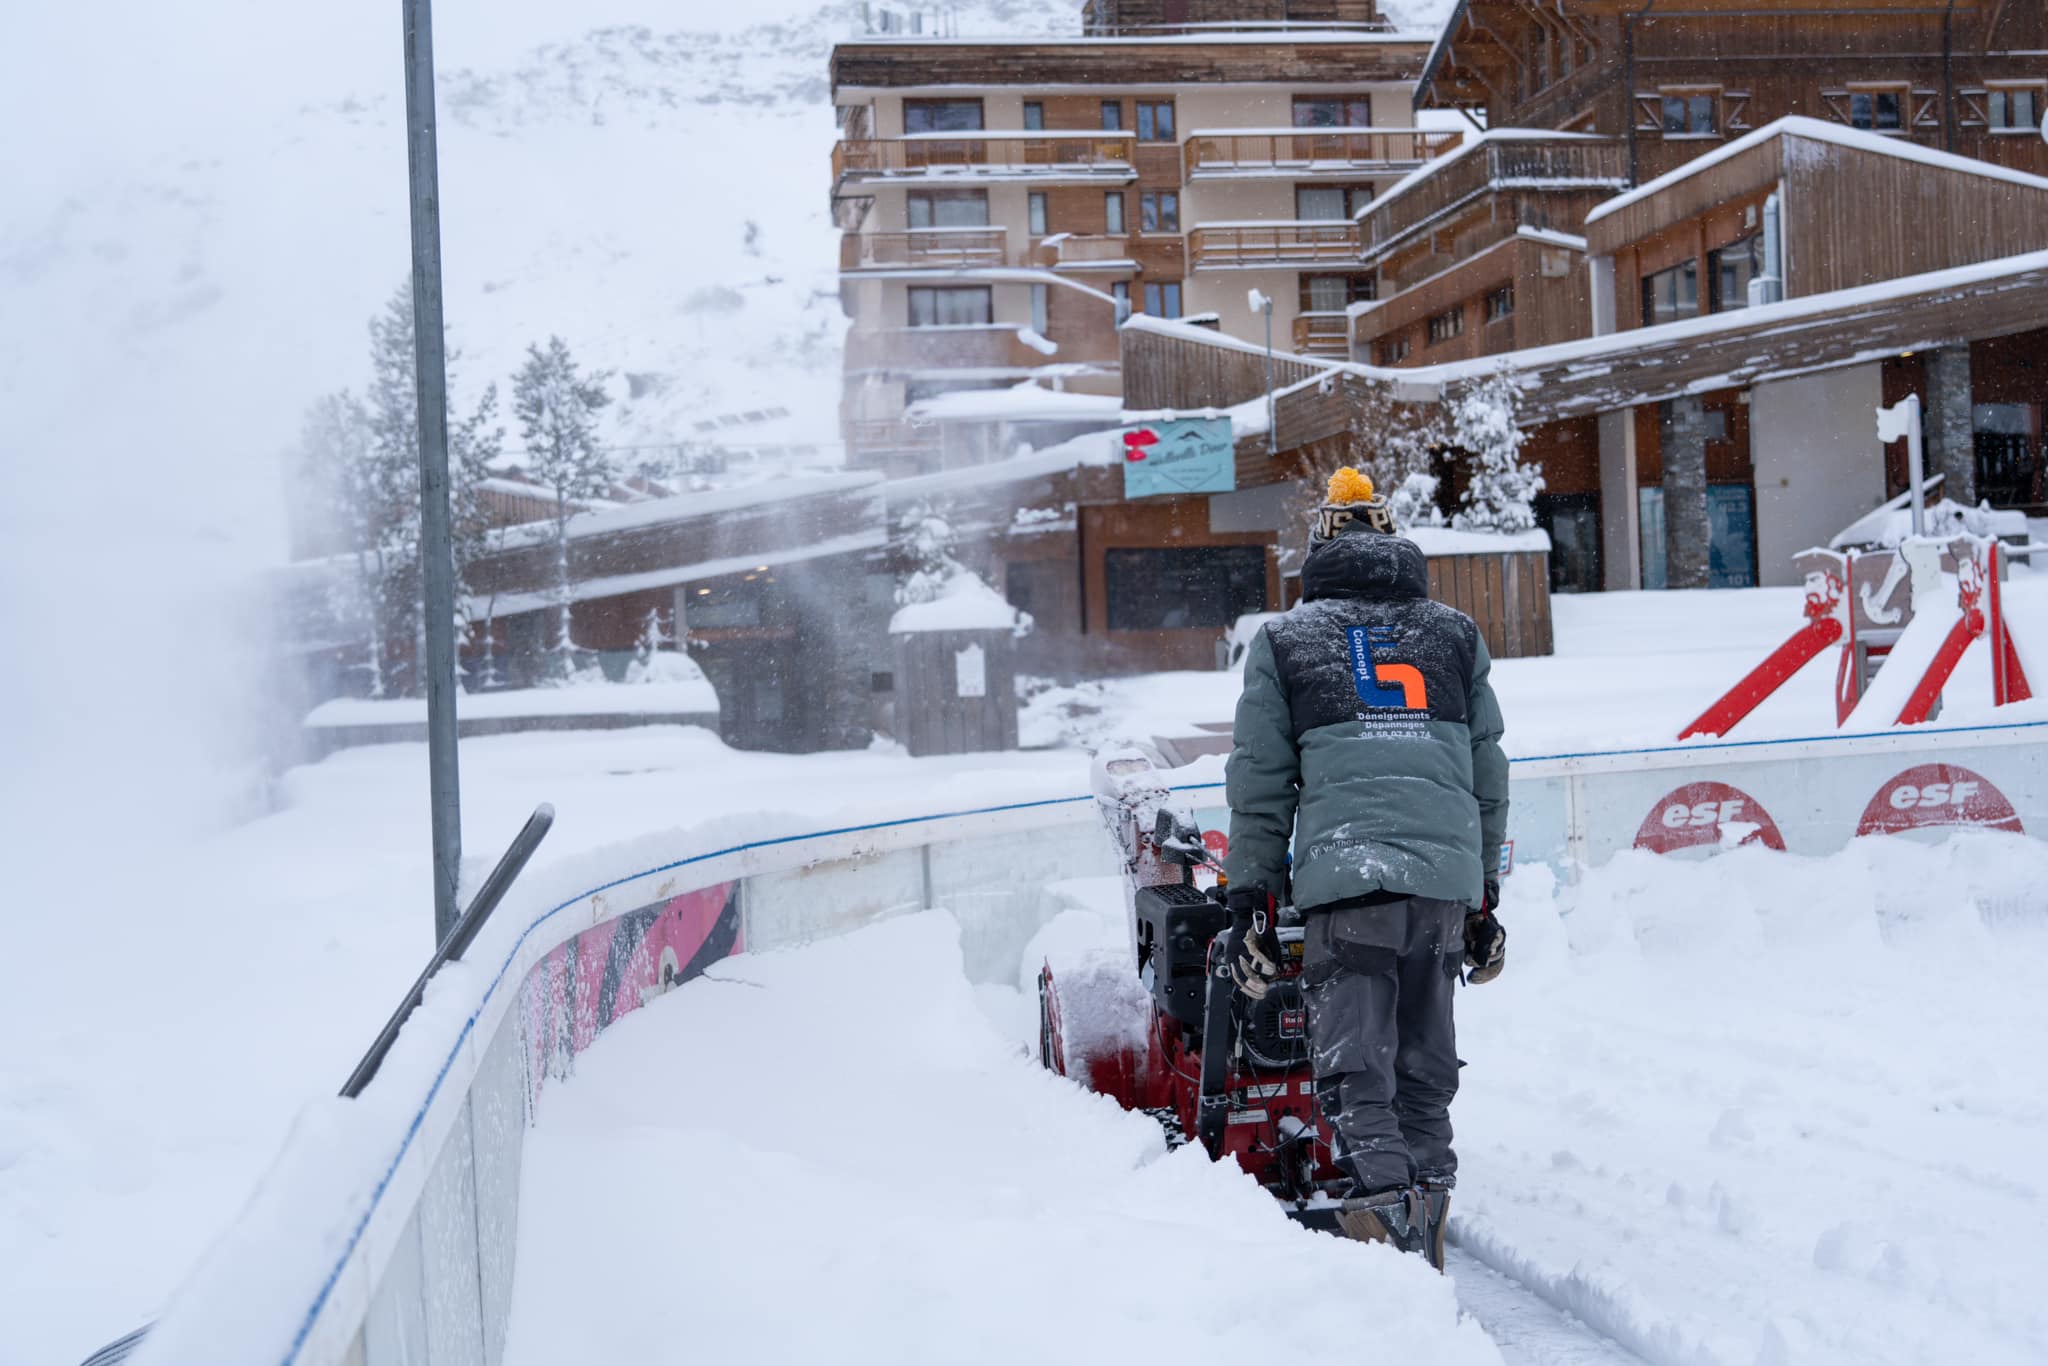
[675,697]
[966,603]
[1891,524]
[1436,540]
[831,1167]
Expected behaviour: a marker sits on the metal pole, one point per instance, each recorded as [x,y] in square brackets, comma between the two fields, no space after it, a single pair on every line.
[1272,432]
[1916,464]
[430,370]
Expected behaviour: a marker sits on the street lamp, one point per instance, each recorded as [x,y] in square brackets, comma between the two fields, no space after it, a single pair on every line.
[1262,302]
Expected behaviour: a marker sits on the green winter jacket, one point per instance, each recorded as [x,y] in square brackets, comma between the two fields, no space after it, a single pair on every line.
[1368,732]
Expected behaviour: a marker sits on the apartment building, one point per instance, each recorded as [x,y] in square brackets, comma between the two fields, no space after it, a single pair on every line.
[1006,202]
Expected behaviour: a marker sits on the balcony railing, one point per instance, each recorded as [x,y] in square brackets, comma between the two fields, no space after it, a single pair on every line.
[884,436]
[1311,152]
[923,249]
[999,155]
[1466,245]
[977,346]
[1078,252]
[1231,246]
[1322,334]
[1533,163]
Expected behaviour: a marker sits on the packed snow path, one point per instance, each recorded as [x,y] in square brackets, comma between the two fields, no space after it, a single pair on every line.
[1758,1109]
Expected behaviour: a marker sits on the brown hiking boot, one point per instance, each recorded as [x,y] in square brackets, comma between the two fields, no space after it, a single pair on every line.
[1394,1217]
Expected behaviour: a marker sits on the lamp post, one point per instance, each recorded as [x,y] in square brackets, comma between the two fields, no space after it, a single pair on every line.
[430,377]
[1262,302]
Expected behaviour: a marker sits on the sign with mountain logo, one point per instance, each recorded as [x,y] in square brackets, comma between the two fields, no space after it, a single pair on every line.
[1184,455]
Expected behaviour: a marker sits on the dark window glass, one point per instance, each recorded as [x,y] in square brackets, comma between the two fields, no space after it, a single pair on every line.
[1334,293]
[944,209]
[1120,290]
[1032,586]
[1732,268]
[1688,114]
[2017,111]
[1500,304]
[1392,350]
[1034,116]
[942,116]
[950,306]
[1183,589]
[1445,326]
[1880,111]
[1155,120]
[1333,111]
[1112,115]
[1162,298]
[1158,211]
[1573,521]
[1671,294]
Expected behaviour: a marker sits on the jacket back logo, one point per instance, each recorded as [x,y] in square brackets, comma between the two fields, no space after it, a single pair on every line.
[1384,685]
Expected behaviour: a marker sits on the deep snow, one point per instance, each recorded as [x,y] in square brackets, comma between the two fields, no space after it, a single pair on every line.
[1751,1109]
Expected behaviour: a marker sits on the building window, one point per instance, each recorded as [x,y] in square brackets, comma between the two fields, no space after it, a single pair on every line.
[1319,204]
[1035,206]
[1500,304]
[1445,326]
[2015,109]
[1879,111]
[947,208]
[1112,116]
[1158,211]
[1155,120]
[1162,298]
[1671,294]
[951,306]
[1180,589]
[1120,290]
[1040,308]
[1032,586]
[1333,111]
[1334,293]
[1729,272]
[942,116]
[1034,116]
[1690,115]
[1113,213]
[1391,350]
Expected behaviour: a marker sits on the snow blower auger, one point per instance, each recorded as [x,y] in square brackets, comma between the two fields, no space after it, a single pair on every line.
[1166,1031]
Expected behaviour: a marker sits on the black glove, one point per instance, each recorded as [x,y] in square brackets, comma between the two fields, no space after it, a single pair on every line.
[1253,948]
[1486,940]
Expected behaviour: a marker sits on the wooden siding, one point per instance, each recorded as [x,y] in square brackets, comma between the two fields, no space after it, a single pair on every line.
[1157,523]
[1112,16]
[1753,172]
[1506,595]
[1551,305]
[931,716]
[1162,371]
[911,64]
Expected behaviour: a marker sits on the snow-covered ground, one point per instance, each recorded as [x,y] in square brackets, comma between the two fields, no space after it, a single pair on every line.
[1758,1109]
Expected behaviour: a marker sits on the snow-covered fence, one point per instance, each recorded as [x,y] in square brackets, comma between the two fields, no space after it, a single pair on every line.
[387,1230]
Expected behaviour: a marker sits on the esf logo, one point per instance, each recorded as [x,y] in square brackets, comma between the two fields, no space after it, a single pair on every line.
[1907,797]
[1384,685]
[1699,815]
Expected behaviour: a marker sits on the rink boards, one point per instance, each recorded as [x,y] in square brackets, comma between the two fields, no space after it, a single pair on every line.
[387,1231]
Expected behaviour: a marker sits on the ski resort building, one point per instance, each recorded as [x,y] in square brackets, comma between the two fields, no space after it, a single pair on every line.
[1007,202]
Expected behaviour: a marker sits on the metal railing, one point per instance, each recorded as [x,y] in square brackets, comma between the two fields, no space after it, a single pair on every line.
[923,249]
[1225,246]
[1312,151]
[1088,155]
[1070,249]
[460,937]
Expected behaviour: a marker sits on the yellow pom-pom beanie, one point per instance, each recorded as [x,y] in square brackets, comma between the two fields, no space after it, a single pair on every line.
[1349,486]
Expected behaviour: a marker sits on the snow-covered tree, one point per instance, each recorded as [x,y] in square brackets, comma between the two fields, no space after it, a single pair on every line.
[928,539]
[337,462]
[653,639]
[557,408]
[1499,494]
[1413,502]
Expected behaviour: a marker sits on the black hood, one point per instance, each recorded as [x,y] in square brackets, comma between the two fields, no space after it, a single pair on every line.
[1365,564]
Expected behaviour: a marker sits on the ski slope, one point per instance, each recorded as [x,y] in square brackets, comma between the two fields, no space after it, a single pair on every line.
[1755,1109]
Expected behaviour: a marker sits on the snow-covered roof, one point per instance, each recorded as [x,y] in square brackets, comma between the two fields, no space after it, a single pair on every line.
[966,603]
[1817,130]
[1170,327]
[1471,144]
[1544,235]
[1201,39]
[1022,402]
[684,506]
[668,576]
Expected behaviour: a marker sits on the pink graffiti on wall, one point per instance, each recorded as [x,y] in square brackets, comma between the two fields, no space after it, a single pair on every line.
[612,969]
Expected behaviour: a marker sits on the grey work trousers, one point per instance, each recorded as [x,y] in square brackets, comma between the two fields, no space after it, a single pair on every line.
[1379,982]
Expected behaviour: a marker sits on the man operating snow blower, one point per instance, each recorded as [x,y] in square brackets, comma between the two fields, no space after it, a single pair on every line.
[1368,732]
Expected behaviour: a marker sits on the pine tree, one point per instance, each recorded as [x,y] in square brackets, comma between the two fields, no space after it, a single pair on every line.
[653,637]
[337,463]
[1501,489]
[557,410]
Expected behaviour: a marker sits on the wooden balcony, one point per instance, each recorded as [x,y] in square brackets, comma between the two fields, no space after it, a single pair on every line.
[870,438]
[1073,251]
[923,249]
[1468,243]
[1551,163]
[993,155]
[1323,334]
[1307,153]
[1246,246]
[991,346]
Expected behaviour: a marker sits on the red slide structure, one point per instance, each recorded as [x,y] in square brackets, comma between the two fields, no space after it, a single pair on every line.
[1980,598]
[1828,621]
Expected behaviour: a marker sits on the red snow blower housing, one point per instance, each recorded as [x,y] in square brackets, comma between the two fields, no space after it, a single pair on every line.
[1167,1031]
